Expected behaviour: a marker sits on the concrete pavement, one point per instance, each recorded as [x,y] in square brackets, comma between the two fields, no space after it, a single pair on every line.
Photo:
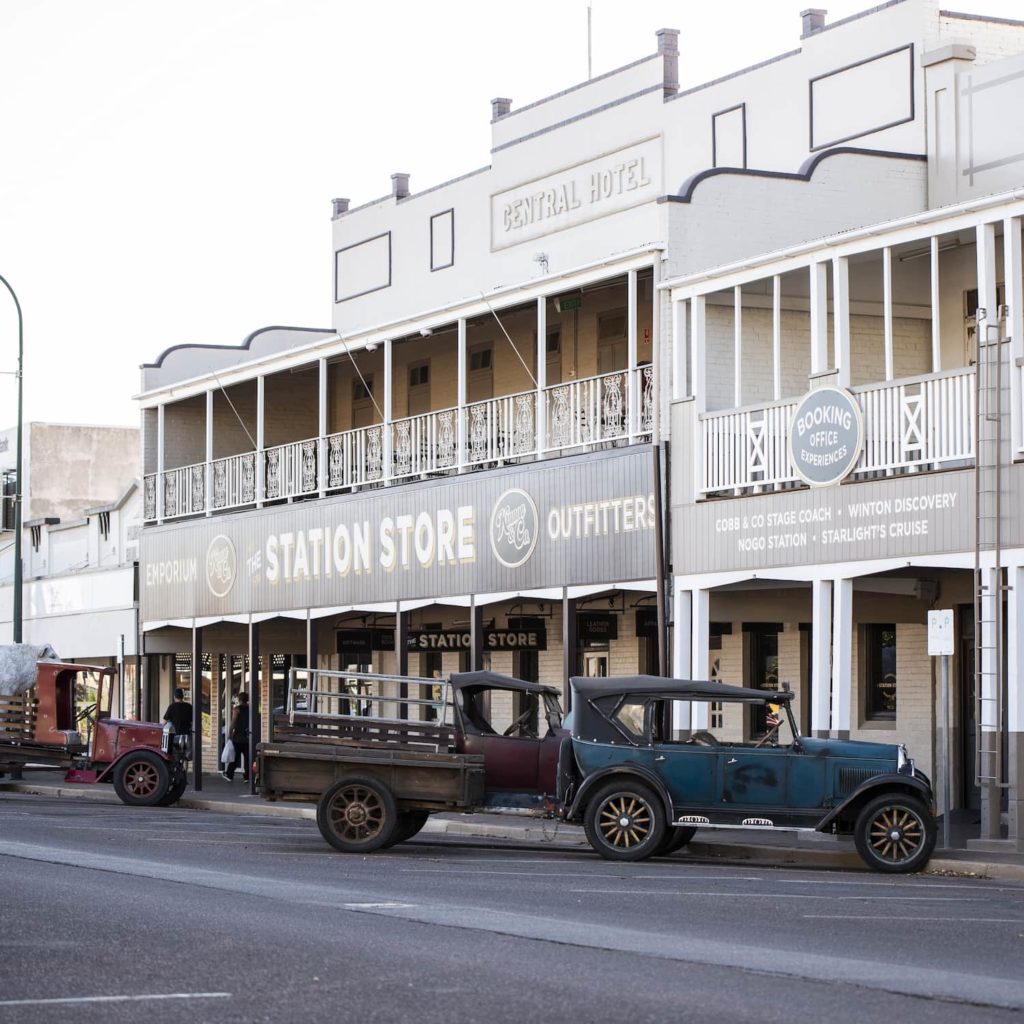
[778,848]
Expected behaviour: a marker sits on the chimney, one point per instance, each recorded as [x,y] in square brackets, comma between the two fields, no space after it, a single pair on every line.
[814,21]
[668,47]
[500,107]
[340,206]
[399,185]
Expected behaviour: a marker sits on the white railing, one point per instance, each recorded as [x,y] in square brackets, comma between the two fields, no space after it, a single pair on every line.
[425,444]
[291,469]
[499,429]
[184,490]
[916,423]
[745,448]
[234,481]
[355,457]
[579,414]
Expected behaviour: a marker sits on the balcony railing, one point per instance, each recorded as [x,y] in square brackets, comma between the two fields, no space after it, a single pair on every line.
[912,424]
[587,413]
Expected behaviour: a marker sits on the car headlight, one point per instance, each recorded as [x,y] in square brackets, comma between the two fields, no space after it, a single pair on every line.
[904,764]
[165,738]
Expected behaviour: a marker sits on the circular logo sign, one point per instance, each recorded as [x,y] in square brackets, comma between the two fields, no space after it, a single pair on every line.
[825,436]
[220,566]
[514,528]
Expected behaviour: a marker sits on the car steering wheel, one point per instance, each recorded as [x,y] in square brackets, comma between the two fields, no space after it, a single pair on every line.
[518,724]
[88,713]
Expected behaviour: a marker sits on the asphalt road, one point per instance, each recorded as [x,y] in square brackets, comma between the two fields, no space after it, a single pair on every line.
[168,915]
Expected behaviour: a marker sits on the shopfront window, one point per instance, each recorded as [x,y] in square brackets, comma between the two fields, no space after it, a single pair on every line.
[880,670]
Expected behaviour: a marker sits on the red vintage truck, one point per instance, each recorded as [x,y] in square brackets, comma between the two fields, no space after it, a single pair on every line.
[55,723]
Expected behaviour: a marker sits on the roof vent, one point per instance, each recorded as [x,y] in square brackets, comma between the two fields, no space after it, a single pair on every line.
[399,185]
[339,206]
[814,21]
[500,107]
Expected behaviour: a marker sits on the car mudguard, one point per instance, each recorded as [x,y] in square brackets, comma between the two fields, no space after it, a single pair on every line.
[588,785]
[879,784]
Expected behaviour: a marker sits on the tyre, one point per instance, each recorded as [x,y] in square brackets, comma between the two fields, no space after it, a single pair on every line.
[357,815]
[175,792]
[409,823]
[142,779]
[676,837]
[895,833]
[624,821]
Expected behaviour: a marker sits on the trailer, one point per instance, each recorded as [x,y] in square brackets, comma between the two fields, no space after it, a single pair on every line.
[63,719]
[378,760]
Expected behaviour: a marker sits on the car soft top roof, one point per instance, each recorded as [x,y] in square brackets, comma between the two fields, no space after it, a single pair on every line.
[460,680]
[672,689]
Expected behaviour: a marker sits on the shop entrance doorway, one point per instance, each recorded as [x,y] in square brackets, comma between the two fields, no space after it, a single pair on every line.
[595,664]
[970,792]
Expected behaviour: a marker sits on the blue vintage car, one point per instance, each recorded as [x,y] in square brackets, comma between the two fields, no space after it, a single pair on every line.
[642,786]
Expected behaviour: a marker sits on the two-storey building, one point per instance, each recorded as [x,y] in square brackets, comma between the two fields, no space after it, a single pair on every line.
[468,467]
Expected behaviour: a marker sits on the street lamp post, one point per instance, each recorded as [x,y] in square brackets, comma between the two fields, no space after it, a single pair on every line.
[16,616]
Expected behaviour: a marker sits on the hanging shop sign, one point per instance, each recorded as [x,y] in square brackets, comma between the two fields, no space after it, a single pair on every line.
[826,436]
[365,641]
[647,623]
[596,627]
[494,640]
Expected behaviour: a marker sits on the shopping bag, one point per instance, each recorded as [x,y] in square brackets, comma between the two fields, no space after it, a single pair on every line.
[228,754]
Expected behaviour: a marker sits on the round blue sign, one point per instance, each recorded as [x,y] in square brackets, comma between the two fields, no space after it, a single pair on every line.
[825,436]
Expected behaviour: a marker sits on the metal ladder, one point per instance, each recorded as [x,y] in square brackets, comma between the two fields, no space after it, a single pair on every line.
[989,587]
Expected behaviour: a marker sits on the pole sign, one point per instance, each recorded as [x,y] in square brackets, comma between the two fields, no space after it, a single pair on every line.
[940,633]
[826,436]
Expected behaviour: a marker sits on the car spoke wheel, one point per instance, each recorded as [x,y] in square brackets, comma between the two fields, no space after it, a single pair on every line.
[142,779]
[895,833]
[357,815]
[625,821]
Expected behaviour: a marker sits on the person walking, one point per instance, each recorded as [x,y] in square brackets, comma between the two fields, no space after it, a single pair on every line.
[238,733]
[179,713]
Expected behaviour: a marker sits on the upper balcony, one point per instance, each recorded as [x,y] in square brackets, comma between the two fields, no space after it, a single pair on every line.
[557,375]
[892,314]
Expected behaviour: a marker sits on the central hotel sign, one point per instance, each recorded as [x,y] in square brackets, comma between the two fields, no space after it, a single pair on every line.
[581,520]
[604,185]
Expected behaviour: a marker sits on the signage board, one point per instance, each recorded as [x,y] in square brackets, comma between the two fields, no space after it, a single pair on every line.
[596,627]
[825,436]
[940,633]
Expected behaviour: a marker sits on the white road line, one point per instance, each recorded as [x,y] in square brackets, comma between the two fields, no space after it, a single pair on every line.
[904,917]
[778,896]
[115,999]
[378,906]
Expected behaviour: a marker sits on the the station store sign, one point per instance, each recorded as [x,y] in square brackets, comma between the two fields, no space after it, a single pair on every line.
[588,519]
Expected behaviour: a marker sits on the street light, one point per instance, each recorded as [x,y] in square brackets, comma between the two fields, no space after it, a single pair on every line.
[16,616]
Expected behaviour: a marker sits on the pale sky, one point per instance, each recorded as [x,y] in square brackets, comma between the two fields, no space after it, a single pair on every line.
[169,165]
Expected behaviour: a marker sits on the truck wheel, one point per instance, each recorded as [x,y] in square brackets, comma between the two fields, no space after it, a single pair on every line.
[174,793]
[142,779]
[624,821]
[409,823]
[357,815]
[676,837]
[895,833]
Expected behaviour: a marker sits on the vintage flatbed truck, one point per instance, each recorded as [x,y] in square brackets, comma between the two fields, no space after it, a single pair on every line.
[42,729]
[378,762]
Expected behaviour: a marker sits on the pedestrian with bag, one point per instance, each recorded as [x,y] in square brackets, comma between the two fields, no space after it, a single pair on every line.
[238,734]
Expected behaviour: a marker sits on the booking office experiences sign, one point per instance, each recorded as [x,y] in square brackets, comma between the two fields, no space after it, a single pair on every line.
[826,436]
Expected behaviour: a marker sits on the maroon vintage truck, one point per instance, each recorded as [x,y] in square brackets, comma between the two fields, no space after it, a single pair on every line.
[379,761]
[54,725]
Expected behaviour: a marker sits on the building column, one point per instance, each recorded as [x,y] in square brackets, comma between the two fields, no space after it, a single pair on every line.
[737,346]
[776,337]
[255,710]
[463,359]
[679,368]
[842,657]
[402,620]
[1015,705]
[197,707]
[887,311]
[821,657]
[312,644]
[261,464]
[936,302]
[698,385]
[208,468]
[632,390]
[819,318]
[388,440]
[569,641]
[700,650]
[321,441]
[540,421]
[841,319]
[1012,272]
[160,463]
[682,641]
[476,636]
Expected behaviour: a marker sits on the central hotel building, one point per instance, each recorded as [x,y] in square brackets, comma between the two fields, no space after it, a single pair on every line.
[724,381]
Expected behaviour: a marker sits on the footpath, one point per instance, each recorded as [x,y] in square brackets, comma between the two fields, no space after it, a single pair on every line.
[810,850]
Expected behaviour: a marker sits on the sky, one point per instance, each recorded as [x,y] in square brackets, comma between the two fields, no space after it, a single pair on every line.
[168,165]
